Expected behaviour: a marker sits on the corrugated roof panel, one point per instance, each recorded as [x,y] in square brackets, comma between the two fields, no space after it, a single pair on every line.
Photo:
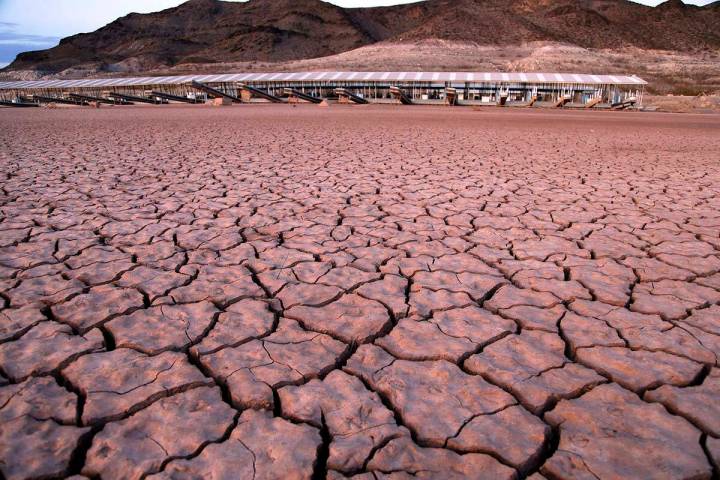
[333,76]
[157,80]
[145,81]
[226,77]
[51,83]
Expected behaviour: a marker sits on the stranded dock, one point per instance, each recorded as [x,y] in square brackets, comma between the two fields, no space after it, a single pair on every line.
[512,89]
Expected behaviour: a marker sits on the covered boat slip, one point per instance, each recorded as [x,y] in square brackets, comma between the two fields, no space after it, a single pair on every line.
[451,88]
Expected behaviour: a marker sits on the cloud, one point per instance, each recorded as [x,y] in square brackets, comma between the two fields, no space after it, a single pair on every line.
[12,38]
[12,43]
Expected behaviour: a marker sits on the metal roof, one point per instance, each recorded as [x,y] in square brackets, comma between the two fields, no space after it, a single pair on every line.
[460,77]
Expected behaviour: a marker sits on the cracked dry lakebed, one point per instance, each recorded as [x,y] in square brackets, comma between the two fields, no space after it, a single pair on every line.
[380,292]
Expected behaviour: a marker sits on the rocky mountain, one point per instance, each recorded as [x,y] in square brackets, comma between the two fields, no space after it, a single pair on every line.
[213,31]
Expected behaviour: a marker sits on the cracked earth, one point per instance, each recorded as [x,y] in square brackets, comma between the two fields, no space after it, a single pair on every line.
[264,292]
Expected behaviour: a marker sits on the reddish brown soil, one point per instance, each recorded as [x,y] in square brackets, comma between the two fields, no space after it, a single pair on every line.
[369,292]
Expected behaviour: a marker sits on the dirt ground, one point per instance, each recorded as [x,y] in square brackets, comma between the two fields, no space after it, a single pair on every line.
[358,291]
[683,103]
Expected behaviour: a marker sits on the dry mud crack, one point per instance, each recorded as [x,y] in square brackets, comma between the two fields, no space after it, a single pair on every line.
[375,292]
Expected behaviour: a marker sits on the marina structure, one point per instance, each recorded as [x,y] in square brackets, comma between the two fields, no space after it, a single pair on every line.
[450,88]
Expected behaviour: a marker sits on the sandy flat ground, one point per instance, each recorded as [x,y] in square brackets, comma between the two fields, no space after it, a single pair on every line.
[364,291]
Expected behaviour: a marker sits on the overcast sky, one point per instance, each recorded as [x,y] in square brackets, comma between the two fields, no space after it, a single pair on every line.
[38,24]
